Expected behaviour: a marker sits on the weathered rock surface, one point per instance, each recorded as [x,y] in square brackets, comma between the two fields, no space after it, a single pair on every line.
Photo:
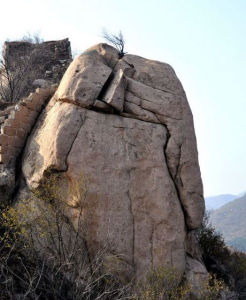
[84,79]
[114,95]
[197,276]
[126,125]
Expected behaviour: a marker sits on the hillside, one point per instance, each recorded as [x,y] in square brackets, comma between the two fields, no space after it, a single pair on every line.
[231,222]
[215,202]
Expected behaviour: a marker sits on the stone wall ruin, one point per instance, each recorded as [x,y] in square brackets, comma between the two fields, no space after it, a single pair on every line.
[32,65]
[16,123]
[50,59]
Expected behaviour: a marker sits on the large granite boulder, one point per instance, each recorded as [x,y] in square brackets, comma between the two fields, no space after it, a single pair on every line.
[126,125]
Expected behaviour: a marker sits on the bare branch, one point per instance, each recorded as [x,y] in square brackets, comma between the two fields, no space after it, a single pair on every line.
[117,40]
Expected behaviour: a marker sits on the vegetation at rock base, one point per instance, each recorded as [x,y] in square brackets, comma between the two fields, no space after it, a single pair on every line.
[161,283]
[228,264]
[44,257]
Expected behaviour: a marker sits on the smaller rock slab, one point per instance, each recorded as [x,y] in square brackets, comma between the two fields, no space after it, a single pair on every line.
[116,91]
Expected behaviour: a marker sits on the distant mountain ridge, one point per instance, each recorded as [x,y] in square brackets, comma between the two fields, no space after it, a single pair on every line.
[230,221]
[215,202]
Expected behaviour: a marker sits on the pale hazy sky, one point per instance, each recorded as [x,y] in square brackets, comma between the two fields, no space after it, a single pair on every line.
[203,40]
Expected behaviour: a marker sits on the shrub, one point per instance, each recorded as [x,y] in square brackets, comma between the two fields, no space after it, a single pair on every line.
[225,263]
[43,255]
[161,283]
[213,288]
[211,242]
[117,40]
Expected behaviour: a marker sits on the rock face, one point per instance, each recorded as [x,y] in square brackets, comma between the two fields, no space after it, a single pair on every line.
[126,125]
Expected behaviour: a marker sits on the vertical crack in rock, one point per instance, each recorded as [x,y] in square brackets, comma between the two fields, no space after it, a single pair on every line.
[115,93]
[171,256]
[178,165]
[113,90]
[133,226]
[151,245]
[169,170]
[82,121]
[105,87]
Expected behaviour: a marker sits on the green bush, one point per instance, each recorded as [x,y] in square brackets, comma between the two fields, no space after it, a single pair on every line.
[211,242]
[224,262]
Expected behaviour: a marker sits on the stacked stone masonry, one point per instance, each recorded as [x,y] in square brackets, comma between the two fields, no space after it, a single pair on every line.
[51,58]
[5,113]
[17,121]
[41,64]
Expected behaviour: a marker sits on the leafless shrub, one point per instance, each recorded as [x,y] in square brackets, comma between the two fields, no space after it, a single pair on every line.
[13,81]
[32,38]
[161,283]
[42,255]
[116,40]
[16,73]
